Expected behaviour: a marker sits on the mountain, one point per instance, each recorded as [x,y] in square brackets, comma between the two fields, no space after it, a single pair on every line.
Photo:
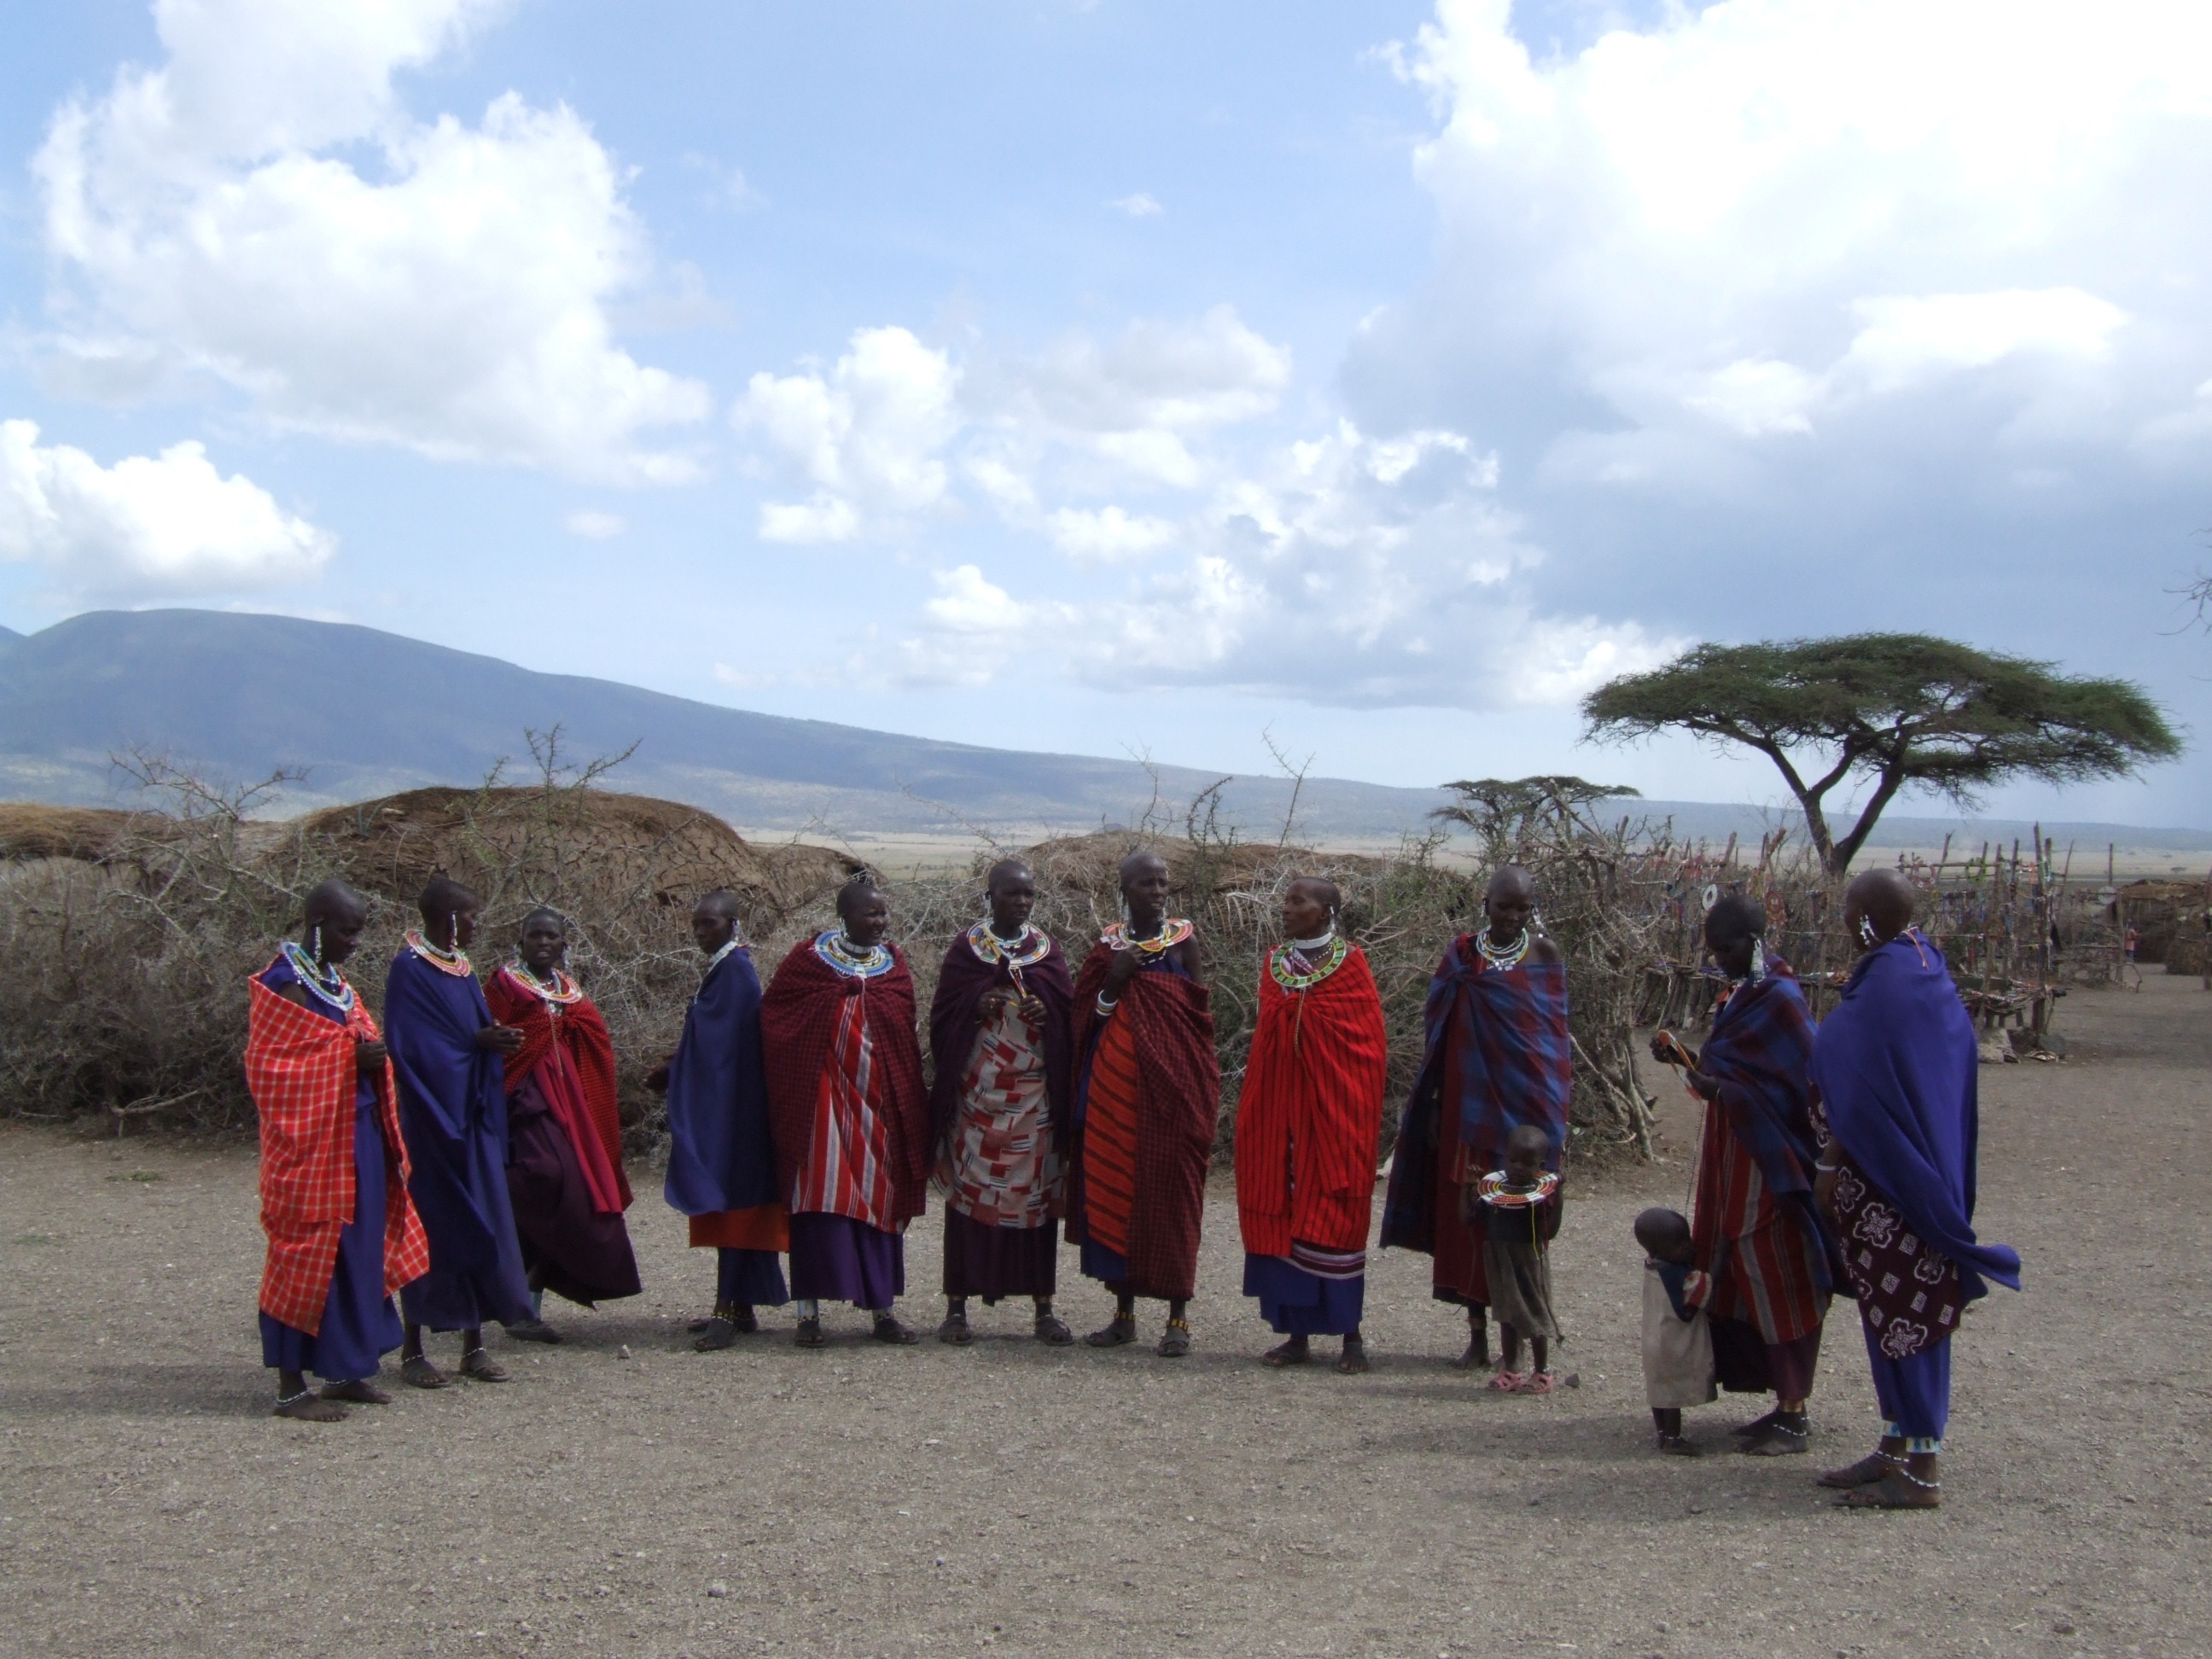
[365,712]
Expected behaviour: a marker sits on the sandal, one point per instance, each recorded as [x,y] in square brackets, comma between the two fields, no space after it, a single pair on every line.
[719,1334]
[1507,1382]
[532,1330]
[956,1330]
[359,1391]
[1052,1331]
[418,1372]
[889,1329]
[1175,1341]
[1897,1490]
[480,1367]
[1875,1466]
[1352,1362]
[1679,1445]
[1775,1440]
[1292,1352]
[809,1334]
[1758,1425]
[308,1406]
[1115,1333]
[1539,1382]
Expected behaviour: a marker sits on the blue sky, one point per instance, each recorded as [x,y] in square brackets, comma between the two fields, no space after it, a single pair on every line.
[1122,377]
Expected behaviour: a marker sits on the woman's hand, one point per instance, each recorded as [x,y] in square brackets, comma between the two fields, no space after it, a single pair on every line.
[657,1079]
[1032,1008]
[1124,967]
[500,1039]
[369,1057]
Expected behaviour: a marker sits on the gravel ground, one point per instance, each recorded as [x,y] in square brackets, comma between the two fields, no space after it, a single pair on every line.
[626,1496]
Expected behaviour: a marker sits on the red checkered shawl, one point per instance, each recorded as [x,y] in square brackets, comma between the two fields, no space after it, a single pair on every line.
[798,1025]
[1179,1084]
[1310,1113]
[299,1067]
[580,1029]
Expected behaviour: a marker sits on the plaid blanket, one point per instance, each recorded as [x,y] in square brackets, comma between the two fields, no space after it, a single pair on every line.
[299,1067]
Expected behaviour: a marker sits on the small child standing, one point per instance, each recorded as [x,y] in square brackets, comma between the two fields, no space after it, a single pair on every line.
[1678,1342]
[1524,1204]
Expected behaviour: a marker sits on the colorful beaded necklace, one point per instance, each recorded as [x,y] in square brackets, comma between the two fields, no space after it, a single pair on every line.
[1504,958]
[832,947]
[322,978]
[1492,1190]
[453,962]
[560,991]
[1296,968]
[1025,950]
[1114,936]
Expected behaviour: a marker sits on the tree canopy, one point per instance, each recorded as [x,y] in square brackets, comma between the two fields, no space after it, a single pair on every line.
[1889,710]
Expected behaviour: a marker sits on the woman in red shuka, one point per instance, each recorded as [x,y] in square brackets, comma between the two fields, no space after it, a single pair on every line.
[1307,1123]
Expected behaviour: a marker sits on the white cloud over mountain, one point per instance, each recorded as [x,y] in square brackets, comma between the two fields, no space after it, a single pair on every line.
[216,216]
[169,525]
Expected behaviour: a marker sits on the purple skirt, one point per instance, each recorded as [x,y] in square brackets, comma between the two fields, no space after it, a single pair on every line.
[834,1258]
[996,1261]
[567,1246]
[1300,1304]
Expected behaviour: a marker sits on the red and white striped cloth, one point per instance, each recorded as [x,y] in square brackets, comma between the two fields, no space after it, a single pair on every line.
[847,1170]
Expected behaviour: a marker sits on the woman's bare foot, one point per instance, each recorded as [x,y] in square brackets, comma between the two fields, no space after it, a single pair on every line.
[1679,1445]
[418,1372]
[1353,1360]
[1477,1357]
[361,1391]
[480,1367]
[1786,1436]
[307,1406]
[1294,1352]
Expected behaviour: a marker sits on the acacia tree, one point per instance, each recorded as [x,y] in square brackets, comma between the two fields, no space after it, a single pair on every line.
[1889,710]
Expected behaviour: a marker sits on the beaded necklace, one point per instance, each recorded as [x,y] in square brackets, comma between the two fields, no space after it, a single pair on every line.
[1025,950]
[1504,959]
[562,991]
[1492,1190]
[834,948]
[453,962]
[1114,936]
[322,978]
[1296,969]
[715,961]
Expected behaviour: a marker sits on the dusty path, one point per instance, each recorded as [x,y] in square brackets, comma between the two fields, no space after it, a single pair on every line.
[930,1501]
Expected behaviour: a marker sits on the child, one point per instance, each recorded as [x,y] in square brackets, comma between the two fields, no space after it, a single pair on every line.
[1524,1218]
[1678,1343]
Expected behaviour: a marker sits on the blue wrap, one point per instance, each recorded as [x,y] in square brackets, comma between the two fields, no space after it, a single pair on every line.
[1895,1065]
[719,1157]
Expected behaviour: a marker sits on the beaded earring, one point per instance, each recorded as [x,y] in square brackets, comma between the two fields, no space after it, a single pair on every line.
[315,941]
[1867,933]
[452,930]
[1758,959]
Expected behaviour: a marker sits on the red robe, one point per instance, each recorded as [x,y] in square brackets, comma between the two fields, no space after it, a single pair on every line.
[1311,1114]
[581,1030]
[798,1025]
[1177,1084]
[299,1068]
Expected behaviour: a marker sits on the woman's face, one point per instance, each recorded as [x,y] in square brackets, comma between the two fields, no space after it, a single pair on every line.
[1146,889]
[544,945]
[1732,953]
[1305,912]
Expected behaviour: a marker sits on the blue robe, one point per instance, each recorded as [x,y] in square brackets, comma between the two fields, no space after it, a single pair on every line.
[720,1155]
[452,1112]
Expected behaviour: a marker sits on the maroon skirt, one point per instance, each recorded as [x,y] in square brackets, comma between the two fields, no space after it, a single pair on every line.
[996,1261]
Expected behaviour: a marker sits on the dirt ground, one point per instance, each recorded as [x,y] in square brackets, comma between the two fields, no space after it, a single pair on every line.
[624,1496]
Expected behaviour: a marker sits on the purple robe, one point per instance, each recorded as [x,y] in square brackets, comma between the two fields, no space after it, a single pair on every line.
[453,1113]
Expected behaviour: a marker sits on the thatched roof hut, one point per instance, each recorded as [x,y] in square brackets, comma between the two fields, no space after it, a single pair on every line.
[30,830]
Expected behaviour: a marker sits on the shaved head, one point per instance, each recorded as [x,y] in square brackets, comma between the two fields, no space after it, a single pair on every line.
[1885,898]
[1007,867]
[1141,859]
[547,912]
[443,897]
[855,893]
[720,903]
[1512,878]
[1322,888]
[333,899]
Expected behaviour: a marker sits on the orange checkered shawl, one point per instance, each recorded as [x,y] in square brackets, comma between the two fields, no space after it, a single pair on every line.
[299,1067]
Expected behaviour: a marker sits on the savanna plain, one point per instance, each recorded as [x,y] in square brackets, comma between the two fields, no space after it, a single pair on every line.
[623,1495]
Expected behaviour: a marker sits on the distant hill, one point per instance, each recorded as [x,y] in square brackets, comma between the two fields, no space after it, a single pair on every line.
[366,713]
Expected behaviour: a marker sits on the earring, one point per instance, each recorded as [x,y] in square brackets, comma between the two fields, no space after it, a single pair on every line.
[1867,933]
[1758,959]
[316,943]
[1125,909]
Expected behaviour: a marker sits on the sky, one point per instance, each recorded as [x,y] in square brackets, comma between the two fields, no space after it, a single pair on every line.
[1358,384]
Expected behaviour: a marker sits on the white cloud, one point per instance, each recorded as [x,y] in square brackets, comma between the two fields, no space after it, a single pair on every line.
[1344,569]
[203,219]
[596,526]
[147,527]
[1139,206]
[870,434]
[1791,219]
[1109,535]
